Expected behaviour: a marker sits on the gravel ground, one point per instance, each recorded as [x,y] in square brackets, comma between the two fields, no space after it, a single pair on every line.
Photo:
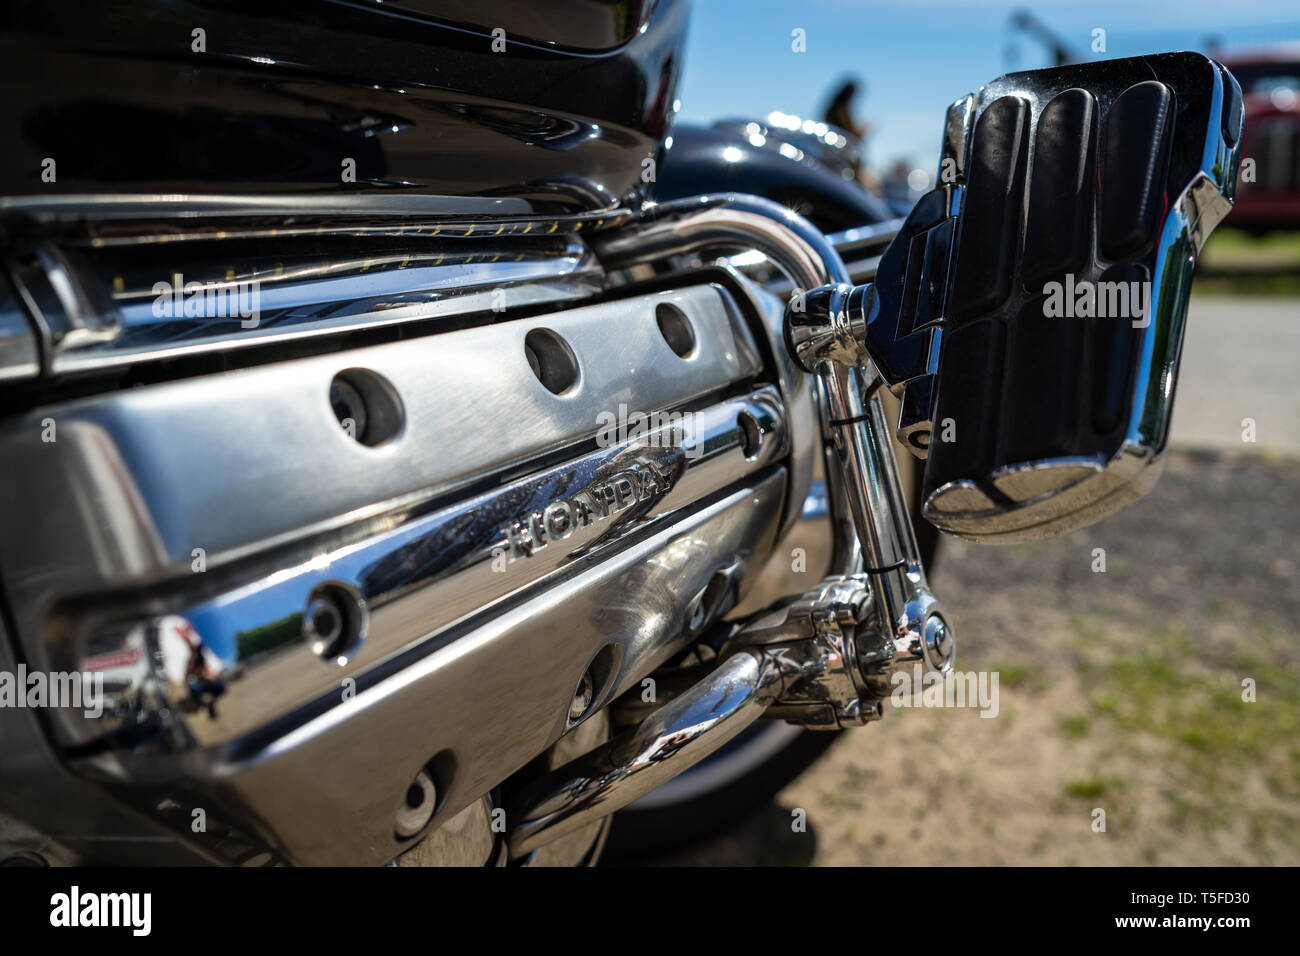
[1118,691]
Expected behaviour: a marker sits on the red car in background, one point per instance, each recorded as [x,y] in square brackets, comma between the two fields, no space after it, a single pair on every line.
[1270,82]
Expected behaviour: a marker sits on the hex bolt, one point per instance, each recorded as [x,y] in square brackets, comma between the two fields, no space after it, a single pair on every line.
[417,806]
[334,622]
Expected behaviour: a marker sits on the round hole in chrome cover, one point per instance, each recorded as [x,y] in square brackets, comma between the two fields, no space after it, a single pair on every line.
[366,405]
[676,329]
[551,360]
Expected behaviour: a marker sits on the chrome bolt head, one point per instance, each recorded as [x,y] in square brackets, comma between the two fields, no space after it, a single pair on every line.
[323,624]
[938,642]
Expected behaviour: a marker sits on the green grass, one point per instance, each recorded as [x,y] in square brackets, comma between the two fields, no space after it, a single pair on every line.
[1222,286]
[1089,787]
[1237,263]
[1016,675]
[1174,700]
[1228,246]
[1075,726]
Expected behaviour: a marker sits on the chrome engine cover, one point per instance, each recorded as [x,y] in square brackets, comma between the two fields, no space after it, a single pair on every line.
[177,540]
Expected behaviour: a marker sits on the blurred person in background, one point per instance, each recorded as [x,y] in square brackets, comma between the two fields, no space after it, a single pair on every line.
[839,112]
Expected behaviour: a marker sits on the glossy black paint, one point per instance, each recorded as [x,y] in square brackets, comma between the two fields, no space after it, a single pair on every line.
[719,159]
[588,25]
[283,93]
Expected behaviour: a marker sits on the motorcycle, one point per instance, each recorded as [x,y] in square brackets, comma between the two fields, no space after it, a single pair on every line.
[420,450]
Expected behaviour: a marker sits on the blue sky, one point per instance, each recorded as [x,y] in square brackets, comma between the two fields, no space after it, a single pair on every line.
[918,57]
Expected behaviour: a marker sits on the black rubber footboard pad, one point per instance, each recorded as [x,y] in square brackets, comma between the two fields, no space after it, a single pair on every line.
[964,440]
[1058,233]
[1058,221]
[1134,164]
[994,201]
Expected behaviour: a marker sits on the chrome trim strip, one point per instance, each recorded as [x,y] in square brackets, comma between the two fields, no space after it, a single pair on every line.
[344,294]
[194,208]
[20,356]
[874,237]
[104,308]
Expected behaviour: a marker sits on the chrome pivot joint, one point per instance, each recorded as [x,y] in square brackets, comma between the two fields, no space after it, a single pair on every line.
[844,662]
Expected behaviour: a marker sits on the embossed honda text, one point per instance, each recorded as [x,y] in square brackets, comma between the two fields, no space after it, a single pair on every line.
[599,501]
